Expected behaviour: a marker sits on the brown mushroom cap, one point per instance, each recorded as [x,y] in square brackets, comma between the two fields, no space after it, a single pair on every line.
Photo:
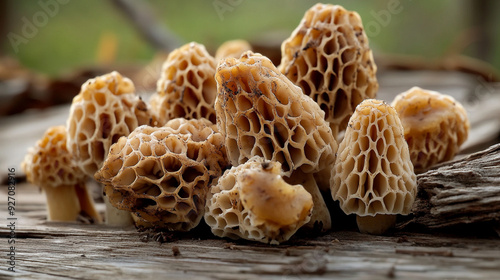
[49,165]
[261,113]
[232,48]
[253,202]
[105,109]
[328,56]
[186,88]
[373,172]
[435,125]
[162,174]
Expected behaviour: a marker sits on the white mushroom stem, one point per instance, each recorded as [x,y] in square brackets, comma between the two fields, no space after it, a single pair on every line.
[87,203]
[62,203]
[377,224]
[320,219]
[117,217]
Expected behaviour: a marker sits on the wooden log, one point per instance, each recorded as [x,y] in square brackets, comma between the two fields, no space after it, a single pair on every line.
[464,191]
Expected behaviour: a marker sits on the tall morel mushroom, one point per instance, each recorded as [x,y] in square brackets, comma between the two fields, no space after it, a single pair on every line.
[435,125]
[186,88]
[328,56]
[105,109]
[253,202]
[373,175]
[261,113]
[49,165]
[162,174]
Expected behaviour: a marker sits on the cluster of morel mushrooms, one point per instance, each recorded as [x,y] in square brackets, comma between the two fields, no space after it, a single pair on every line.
[248,146]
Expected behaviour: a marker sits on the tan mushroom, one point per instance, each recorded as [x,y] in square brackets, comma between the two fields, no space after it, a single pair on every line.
[186,88]
[328,56]
[261,113]
[49,165]
[105,109]
[253,202]
[435,125]
[373,175]
[232,48]
[162,174]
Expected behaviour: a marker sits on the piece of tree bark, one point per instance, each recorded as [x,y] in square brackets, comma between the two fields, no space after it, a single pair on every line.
[460,192]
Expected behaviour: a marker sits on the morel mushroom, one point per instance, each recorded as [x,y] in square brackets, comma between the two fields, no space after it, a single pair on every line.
[233,48]
[105,109]
[252,201]
[328,56]
[162,174]
[373,175]
[49,165]
[261,113]
[186,88]
[435,125]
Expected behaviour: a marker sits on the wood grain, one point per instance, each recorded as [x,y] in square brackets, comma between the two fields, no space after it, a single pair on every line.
[460,192]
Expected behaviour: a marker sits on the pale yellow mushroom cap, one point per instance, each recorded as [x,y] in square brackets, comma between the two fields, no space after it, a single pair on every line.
[105,109]
[186,88]
[328,56]
[162,174]
[232,48]
[373,173]
[261,113]
[435,125]
[49,164]
[253,202]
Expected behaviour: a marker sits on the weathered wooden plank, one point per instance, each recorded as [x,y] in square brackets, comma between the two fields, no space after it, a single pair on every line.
[460,192]
[51,250]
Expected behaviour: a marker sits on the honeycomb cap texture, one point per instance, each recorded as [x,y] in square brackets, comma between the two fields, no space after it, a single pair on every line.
[105,109]
[373,173]
[162,174]
[186,88]
[328,56]
[232,48]
[435,125]
[49,163]
[261,113]
[229,214]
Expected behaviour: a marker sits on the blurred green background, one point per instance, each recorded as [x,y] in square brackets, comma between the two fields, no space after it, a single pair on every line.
[72,36]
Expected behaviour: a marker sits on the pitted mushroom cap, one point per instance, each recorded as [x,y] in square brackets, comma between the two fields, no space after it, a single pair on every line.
[373,172]
[261,113]
[328,56]
[105,109]
[435,125]
[186,88]
[162,174]
[253,202]
[49,164]
[232,48]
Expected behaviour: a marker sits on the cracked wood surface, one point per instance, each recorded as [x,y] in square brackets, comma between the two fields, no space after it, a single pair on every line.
[53,250]
[461,192]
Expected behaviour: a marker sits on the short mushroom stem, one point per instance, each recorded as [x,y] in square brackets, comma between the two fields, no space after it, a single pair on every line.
[62,203]
[320,219]
[377,224]
[117,217]
[87,203]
